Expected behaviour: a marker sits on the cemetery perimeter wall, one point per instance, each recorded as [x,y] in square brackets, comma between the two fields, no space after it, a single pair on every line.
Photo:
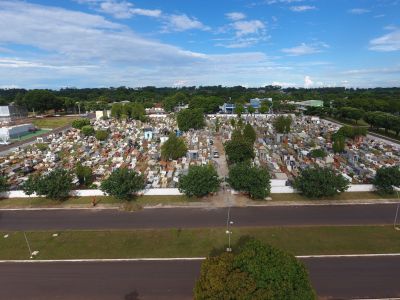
[276,188]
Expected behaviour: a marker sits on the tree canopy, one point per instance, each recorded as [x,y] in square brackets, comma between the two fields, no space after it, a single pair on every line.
[200,181]
[55,185]
[123,183]
[255,181]
[3,184]
[386,178]
[79,123]
[317,182]
[253,271]
[174,148]
[190,119]
[282,124]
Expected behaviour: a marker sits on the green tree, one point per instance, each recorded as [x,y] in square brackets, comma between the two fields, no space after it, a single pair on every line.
[190,119]
[87,130]
[252,180]
[55,185]
[173,148]
[84,174]
[239,150]
[251,110]
[101,135]
[282,124]
[253,271]
[249,133]
[41,100]
[386,178]
[264,108]
[239,109]
[138,111]
[116,110]
[339,143]
[318,153]
[200,181]
[317,182]
[123,184]
[3,184]
[79,123]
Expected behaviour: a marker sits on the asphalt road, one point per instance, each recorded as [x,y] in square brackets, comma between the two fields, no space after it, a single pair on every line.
[195,217]
[333,278]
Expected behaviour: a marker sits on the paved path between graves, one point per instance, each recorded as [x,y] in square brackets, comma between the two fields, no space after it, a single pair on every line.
[334,277]
[373,214]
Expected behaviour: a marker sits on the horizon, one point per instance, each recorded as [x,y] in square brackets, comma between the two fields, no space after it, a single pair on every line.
[291,43]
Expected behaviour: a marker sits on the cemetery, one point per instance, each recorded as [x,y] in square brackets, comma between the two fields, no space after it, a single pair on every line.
[137,145]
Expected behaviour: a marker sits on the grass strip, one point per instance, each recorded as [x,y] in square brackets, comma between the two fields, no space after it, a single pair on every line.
[45,202]
[53,122]
[197,242]
[343,196]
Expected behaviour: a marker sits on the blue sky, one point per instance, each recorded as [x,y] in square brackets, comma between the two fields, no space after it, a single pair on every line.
[102,43]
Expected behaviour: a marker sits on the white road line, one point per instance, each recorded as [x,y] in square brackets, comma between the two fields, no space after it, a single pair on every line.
[183,258]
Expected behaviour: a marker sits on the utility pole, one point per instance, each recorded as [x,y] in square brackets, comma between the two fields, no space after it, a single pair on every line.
[229,224]
[397,210]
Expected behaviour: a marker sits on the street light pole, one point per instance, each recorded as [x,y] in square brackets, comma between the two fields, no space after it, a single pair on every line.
[397,213]
[229,223]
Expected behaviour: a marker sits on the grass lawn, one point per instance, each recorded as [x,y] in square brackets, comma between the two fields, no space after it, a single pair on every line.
[29,135]
[197,242]
[53,122]
[44,202]
[344,196]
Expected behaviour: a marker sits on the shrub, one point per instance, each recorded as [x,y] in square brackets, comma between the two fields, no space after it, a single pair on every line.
[87,130]
[101,135]
[79,123]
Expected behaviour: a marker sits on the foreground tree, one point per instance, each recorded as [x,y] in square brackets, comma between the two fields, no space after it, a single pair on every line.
[123,184]
[239,149]
[101,135]
[55,185]
[190,119]
[249,133]
[84,174]
[386,178]
[200,181]
[252,180]
[3,184]
[253,271]
[173,148]
[317,182]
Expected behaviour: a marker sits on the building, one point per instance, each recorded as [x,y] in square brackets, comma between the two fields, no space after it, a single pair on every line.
[11,113]
[13,132]
[228,108]
[256,102]
[309,103]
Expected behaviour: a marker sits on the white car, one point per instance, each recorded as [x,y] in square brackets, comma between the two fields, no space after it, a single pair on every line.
[216,154]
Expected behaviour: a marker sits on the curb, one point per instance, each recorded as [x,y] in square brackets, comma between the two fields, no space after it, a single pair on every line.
[186,258]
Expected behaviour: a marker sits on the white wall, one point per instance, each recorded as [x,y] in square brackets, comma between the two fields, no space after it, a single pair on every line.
[175,192]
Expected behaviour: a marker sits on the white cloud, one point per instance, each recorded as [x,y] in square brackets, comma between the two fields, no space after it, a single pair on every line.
[248,27]
[358,11]
[304,49]
[120,9]
[302,8]
[386,43]
[182,23]
[282,1]
[235,16]
[308,82]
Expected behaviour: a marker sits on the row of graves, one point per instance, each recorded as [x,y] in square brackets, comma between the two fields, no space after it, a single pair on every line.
[132,144]
[285,155]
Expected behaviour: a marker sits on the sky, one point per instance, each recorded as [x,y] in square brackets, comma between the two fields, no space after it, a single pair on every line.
[253,43]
